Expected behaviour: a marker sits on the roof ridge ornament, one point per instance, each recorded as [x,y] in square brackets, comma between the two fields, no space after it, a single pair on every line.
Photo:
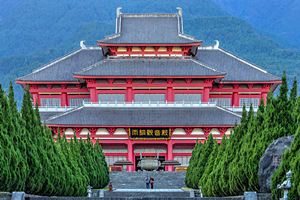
[119,11]
[216,46]
[179,11]
[82,45]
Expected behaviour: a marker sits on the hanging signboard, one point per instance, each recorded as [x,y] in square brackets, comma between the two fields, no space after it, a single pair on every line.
[149,133]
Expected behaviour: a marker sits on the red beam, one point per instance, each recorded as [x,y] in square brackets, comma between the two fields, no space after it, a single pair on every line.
[59,90]
[126,126]
[139,77]
[115,154]
[150,45]
[47,82]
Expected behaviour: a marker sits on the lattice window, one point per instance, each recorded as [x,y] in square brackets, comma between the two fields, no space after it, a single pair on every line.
[223,102]
[111,98]
[187,98]
[249,101]
[50,102]
[112,159]
[183,160]
[145,98]
[78,101]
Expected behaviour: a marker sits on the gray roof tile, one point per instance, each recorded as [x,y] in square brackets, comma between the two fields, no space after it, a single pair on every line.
[236,68]
[193,116]
[143,30]
[62,68]
[149,67]
[47,115]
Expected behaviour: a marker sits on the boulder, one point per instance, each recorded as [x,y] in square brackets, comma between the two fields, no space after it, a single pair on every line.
[270,161]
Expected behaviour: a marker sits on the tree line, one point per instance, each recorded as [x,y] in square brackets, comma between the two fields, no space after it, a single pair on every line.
[232,168]
[33,162]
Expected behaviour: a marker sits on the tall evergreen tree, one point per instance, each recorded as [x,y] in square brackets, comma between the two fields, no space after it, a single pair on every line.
[103,170]
[283,113]
[193,163]
[34,182]
[209,166]
[202,161]
[289,161]
[211,186]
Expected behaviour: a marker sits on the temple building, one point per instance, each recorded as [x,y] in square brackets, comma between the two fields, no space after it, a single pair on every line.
[149,89]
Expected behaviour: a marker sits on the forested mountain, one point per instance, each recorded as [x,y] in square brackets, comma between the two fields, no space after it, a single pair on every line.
[32,24]
[278,17]
[34,32]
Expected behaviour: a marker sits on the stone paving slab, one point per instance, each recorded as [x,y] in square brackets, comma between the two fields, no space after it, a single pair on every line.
[148,190]
[136,180]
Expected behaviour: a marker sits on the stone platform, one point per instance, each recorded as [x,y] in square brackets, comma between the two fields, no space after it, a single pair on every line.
[136,180]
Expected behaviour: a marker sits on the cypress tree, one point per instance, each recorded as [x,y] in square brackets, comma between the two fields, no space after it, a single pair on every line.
[233,146]
[211,187]
[71,151]
[34,182]
[103,175]
[257,149]
[209,167]
[11,154]
[192,164]
[238,167]
[293,94]
[86,151]
[202,161]
[289,161]
[283,114]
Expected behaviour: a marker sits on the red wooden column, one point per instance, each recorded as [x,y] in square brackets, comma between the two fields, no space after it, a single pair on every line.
[63,99]
[235,99]
[129,94]
[235,96]
[205,95]
[264,96]
[36,99]
[170,95]
[170,155]
[130,155]
[93,95]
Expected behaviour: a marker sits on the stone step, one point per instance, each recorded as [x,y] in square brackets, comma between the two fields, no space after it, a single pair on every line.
[144,195]
[136,180]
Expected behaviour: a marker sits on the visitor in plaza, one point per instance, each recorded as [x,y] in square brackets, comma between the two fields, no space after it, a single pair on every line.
[151,182]
[147,182]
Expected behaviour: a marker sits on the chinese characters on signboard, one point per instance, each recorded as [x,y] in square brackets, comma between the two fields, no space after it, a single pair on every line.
[149,133]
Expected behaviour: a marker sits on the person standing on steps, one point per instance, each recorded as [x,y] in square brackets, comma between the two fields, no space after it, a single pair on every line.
[147,182]
[151,182]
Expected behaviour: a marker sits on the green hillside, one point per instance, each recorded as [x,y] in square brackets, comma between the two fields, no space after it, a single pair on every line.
[235,35]
[238,37]
[276,16]
[32,25]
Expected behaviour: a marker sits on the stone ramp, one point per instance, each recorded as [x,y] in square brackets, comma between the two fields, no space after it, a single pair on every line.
[136,180]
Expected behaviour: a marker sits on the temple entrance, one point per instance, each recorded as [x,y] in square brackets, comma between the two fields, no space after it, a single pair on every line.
[160,159]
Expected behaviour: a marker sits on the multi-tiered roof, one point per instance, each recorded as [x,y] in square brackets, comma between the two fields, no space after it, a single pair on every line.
[149,53]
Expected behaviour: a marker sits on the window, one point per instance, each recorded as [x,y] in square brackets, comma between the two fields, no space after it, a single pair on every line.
[145,98]
[249,101]
[183,160]
[78,101]
[223,102]
[111,98]
[187,98]
[50,102]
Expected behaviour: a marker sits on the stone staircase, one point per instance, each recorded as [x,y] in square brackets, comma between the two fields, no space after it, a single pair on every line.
[136,180]
[132,185]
